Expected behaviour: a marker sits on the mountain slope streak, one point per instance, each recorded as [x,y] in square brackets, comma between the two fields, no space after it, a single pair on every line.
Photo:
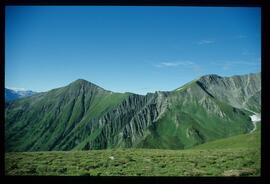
[84,116]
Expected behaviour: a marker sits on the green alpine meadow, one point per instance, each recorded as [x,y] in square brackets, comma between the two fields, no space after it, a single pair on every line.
[207,127]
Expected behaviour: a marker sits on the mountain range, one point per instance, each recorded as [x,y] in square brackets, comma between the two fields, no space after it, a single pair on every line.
[11,94]
[84,116]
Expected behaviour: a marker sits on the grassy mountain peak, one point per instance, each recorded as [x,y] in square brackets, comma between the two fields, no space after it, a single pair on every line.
[82,83]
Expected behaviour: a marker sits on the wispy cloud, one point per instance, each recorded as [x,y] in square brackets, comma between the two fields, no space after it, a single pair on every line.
[203,42]
[174,64]
[169,64]
[189,65]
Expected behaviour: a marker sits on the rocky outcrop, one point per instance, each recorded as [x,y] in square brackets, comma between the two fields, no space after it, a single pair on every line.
[238,91]
[125,125]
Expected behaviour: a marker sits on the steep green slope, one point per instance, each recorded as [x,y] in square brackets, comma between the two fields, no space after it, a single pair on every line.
[125,125]
[194,117]
[83,116]
[58,119]
[189,116]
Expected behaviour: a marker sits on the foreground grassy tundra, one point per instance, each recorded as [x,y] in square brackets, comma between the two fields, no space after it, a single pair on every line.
[233,159]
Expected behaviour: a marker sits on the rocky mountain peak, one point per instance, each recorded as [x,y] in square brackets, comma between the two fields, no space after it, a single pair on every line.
[210,78]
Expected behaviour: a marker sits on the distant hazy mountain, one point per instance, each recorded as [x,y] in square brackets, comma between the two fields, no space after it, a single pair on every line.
[85,116]
[15,94]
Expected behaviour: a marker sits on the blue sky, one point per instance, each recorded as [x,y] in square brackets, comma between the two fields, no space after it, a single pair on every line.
[128,49]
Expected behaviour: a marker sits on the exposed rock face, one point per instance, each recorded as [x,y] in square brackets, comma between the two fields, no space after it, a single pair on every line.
[125,125]
[238,91]
[83,115]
